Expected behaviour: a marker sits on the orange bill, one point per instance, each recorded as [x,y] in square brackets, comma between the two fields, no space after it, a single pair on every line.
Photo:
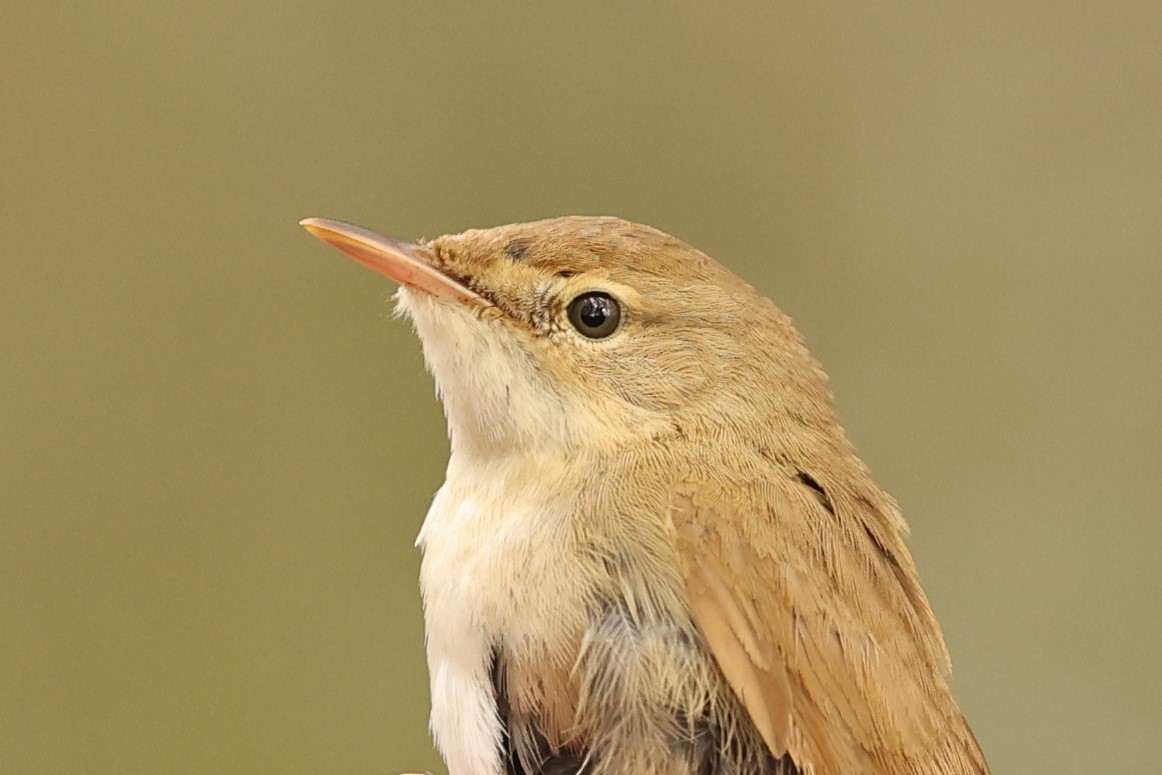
[405,262]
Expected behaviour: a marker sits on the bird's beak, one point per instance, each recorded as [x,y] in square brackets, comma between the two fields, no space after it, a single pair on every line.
[405,262]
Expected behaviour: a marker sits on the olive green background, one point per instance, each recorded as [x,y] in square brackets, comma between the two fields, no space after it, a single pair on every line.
[216,447]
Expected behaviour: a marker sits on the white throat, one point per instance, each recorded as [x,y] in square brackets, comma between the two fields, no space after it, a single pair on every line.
[497,400]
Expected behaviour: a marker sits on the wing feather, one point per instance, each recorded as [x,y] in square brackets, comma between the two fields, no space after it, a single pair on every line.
[815,617]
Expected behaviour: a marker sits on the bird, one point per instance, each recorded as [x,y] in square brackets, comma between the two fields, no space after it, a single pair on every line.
[655,551]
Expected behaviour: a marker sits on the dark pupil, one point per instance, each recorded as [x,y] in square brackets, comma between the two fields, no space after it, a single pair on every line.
[594,311]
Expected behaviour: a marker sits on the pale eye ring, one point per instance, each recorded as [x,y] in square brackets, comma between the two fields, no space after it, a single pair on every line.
[595,314]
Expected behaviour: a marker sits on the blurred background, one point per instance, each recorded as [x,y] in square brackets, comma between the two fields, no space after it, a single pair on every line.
[216,447]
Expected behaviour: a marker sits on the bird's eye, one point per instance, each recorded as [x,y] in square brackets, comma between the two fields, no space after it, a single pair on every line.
[595,314]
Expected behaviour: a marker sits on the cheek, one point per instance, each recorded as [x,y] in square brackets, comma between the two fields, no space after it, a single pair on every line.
[650,374]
